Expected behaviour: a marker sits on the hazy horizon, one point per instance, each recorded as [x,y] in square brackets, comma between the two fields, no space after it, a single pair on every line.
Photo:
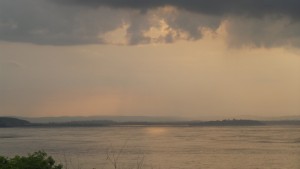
[128,118]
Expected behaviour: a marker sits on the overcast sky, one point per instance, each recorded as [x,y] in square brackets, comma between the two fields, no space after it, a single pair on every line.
[191,58]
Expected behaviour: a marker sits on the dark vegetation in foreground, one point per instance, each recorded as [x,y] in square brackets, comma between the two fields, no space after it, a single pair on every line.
[15,122]
[37,160]
[40,160]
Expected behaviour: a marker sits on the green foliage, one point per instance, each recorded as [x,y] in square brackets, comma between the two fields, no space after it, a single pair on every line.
[37,160]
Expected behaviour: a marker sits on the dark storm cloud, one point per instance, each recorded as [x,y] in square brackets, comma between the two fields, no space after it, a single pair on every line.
[211,7]
[76,22]
[47,23]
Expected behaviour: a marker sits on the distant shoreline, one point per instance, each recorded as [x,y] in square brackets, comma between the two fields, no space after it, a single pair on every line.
[8,122]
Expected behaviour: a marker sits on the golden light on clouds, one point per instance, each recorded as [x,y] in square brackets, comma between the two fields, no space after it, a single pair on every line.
[161,32]
[117,36]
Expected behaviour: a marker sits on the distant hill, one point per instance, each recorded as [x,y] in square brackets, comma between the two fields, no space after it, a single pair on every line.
[151,119]
[270,118]
[13,122]
[229,123]
[93,123]
[137,121]
[283,122]
[64,119]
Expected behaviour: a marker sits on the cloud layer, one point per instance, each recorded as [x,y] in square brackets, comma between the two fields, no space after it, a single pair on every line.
[74,22]
[210,7]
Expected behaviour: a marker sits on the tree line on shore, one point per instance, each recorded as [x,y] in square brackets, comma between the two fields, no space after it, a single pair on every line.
[15,122]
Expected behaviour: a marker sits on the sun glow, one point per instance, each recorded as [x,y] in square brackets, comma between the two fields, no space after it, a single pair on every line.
[156,130]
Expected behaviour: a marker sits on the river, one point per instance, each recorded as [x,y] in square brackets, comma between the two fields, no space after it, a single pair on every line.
[261,147]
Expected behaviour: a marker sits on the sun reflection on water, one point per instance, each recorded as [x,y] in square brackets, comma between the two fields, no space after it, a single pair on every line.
[156,130]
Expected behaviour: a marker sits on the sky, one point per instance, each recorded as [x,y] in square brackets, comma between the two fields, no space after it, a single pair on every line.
[192,58]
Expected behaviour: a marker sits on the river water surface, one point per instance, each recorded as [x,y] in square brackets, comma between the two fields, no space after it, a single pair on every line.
[263,147]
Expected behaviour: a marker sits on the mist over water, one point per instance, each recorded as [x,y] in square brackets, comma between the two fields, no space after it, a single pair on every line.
[263,147]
